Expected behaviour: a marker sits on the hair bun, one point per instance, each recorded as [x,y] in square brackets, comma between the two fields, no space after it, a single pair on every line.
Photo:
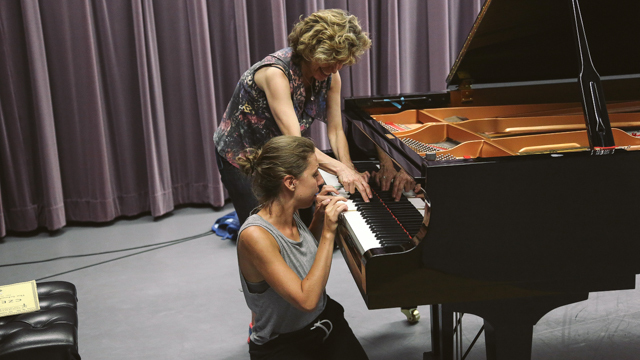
[249,162]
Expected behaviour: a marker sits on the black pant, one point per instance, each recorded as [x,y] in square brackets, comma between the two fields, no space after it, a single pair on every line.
[309,344]
[239,187]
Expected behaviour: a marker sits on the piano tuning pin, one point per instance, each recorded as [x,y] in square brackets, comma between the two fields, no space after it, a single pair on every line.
[441,157]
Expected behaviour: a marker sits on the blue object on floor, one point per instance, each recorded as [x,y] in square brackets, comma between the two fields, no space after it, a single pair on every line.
[227,226]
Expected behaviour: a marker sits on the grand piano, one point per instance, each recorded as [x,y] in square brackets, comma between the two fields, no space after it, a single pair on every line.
[528,163]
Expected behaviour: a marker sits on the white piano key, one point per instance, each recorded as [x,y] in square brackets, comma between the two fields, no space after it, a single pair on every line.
[351,206]
[366,239]
[417,202]
[330,179]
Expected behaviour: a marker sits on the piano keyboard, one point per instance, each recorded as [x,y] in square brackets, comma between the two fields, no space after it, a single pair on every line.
[382,222]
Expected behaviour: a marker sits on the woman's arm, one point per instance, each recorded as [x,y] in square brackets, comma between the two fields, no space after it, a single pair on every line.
[276,86]
[260,259]
[349,177]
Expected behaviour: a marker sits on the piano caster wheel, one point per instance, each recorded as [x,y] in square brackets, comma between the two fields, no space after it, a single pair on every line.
[412,314]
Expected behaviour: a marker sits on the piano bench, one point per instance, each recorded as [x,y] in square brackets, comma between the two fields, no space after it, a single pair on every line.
[50,333]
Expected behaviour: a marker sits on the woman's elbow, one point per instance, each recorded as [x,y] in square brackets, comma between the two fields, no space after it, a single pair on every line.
[309,309]
[307,305]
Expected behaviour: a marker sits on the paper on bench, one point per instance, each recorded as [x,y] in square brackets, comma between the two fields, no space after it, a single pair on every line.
[19,298]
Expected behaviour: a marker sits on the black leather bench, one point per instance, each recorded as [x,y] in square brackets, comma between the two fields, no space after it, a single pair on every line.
[50,333]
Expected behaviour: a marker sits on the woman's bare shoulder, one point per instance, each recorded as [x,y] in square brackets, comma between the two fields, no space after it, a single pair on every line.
[270,75]
[256,239]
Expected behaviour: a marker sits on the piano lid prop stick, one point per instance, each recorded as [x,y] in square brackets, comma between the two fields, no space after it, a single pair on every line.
[593,102]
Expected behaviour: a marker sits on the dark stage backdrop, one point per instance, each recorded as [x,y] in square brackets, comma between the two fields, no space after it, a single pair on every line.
[108,107]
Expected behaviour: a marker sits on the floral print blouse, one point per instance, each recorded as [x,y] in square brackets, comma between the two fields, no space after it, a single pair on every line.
[248,122]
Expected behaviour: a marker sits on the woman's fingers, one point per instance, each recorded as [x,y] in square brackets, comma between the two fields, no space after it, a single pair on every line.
[328,190]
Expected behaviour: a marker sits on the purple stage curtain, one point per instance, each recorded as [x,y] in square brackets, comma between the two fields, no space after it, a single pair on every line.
[108,107]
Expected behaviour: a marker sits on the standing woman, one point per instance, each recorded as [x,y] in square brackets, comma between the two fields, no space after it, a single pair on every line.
[284,93]
[284,266]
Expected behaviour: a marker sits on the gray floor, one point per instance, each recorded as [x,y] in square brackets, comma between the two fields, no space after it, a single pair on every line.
[183,301]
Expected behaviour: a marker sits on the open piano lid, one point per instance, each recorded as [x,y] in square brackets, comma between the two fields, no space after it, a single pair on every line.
[531,45]
[532,40]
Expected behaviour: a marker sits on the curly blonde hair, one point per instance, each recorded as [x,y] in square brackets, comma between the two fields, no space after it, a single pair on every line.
[330,36]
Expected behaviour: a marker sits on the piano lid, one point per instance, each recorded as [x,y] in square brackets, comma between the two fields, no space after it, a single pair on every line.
[532,40]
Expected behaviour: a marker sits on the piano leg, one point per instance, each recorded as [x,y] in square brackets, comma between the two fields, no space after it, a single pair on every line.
[518,339]
[509,322]
[441,333]
[508,325]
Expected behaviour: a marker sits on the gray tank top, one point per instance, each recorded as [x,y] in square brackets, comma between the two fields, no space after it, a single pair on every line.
[274,314]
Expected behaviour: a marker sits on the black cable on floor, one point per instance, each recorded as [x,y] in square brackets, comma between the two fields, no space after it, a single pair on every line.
[158,246]
[109,252]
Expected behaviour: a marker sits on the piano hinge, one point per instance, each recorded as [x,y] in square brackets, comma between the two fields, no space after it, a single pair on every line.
[466,92]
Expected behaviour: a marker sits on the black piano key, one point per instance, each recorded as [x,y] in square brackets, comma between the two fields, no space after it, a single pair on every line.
[387,218]
[385,226]
[386,233]
[382,222]
[382,235]
[391,217]
[389,243]
[396,243]
[389,230]
[386,205]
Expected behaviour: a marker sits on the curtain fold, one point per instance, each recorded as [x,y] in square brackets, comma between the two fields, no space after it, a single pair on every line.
[121,108]
[3,138]
[357,79]
[211,190]
[80,120]
[153,118]
[28,152]
[15,150]
[280,31]
[3,226]
[242,32]
[389,50]
[439,43]
[51,212]
[108,107]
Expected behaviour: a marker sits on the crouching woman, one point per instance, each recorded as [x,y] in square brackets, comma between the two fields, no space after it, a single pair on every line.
[284,266]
